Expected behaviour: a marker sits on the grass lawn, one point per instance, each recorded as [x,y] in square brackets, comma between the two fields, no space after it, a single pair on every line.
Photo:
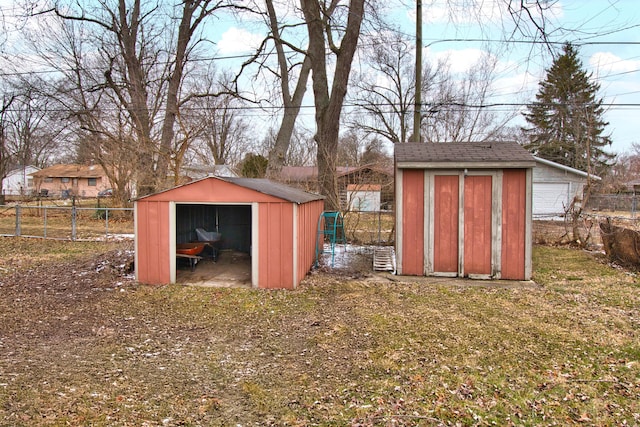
[81,344]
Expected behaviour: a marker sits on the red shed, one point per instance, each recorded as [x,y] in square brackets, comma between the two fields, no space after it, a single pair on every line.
[464,209]
[273,223]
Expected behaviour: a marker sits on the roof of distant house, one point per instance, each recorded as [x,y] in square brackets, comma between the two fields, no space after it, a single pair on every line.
[70,171]
[23,169]
[463,154]
[201,171]
[566,168]
[307,173]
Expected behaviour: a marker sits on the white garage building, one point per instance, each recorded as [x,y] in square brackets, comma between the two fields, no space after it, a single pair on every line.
[554,188]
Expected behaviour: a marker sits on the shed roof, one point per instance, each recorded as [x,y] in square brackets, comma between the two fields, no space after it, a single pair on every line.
[467,155]
[275,189]
[264,186]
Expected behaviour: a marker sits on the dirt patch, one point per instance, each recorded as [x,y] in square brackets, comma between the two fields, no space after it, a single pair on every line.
[82,344]
[228,269]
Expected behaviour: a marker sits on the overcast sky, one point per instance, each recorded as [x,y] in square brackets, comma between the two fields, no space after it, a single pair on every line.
[607,33]
[603,30]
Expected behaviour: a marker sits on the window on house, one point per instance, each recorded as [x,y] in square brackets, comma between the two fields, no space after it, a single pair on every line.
[93,182]
[48,179]
[64,180]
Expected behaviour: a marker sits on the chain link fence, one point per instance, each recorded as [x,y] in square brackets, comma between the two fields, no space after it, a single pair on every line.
[66,222]
[370,227]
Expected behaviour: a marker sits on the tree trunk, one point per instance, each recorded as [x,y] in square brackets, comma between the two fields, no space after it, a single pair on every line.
[291,104]
[185,31]
[278,153]
[329,106]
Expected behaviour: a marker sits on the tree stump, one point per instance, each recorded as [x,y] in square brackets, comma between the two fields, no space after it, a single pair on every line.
[621,245]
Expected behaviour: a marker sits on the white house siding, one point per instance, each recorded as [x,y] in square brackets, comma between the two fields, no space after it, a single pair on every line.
[554,188]
[19,182]
[365,201]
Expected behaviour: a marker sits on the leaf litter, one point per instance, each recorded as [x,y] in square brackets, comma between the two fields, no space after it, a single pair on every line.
[81,343]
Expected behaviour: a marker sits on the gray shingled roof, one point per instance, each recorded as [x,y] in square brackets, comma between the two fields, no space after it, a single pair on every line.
[459,154]
[275,189]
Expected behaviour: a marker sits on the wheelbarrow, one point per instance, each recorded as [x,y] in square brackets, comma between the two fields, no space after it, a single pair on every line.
[191,252]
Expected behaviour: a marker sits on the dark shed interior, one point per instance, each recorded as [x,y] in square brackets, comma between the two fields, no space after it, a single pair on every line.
[233,222]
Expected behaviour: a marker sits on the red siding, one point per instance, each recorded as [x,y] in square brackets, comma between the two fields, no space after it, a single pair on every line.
[445,239]
[276,245]
[513,224]
[308,215]
[413,222]
[152,243]
[477,225]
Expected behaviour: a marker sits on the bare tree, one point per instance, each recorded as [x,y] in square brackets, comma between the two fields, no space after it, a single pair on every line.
[34,128]
[350,147]
[453,104]
[29,130]
[222,133]
[143,69]
[385,89]
[322,20]
[5,155]
[291,102]
[301,151]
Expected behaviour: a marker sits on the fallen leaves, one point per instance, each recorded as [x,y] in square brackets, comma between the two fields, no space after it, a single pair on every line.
[336,351]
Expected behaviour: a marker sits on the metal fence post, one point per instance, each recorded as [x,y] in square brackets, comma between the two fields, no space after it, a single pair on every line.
[74,214]
[45,221]
[106,223]
[18,223]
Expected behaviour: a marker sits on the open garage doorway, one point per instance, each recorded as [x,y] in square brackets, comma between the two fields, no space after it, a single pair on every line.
[221,234]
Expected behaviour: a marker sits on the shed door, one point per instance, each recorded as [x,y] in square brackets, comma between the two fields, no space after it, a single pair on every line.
[477,225]
[445,238]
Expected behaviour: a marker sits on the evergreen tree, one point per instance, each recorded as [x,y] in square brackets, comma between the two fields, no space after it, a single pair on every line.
[566,120]
[254,166]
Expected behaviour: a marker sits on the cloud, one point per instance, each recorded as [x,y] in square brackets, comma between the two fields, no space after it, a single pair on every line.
[604,63]
[459,60]
[237,40]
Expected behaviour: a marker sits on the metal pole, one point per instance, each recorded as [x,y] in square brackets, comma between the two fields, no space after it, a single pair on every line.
[73,219]
[18,224]
[417,112]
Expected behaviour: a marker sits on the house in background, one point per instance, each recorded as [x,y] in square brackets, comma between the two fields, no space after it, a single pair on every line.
[19,182]
[555,187]
[71,180]
[374,183]
[464,209]
[364,197]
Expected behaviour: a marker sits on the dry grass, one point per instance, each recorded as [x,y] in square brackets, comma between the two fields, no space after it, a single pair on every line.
[97,349]
[369,227]
[55,221]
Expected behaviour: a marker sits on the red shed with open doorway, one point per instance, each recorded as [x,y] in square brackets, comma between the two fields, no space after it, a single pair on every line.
[464,209]
[273,223]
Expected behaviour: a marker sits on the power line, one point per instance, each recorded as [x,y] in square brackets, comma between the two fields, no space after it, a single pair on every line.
[433,106]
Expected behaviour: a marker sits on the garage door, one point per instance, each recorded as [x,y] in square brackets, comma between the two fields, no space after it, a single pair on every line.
[550,198]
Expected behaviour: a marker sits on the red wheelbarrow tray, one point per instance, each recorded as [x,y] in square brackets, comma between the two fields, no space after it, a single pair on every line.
[190,248]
